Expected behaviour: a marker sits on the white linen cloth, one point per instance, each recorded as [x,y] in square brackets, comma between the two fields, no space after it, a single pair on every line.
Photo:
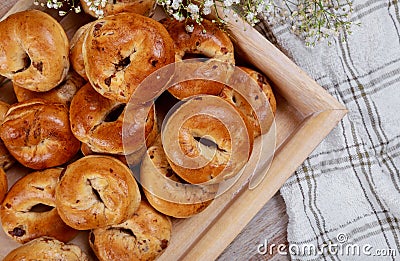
[348,190]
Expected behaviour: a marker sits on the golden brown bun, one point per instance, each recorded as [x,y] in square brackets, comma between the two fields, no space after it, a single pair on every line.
[164,189]
[122,50]
[33,50]
[75,53]
[38,135]
[258,125]
[213,43]
[6,160]
[29,209]
[213,119]
[63,93]
[3,184]
[98,122]
[96,191]
[142,7]
[142,237]
[46,248]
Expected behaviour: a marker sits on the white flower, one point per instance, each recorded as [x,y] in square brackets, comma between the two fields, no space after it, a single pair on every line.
[49,5]
[192,8]
[62,13]
[208,3]
[175,4]
[206,10]
[228,3]
[250,17]
[77,9]
[189,28]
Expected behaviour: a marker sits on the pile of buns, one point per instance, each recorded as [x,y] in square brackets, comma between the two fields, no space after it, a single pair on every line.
[68,127]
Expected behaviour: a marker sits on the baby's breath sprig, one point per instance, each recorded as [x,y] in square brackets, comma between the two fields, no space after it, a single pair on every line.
[312,20]
[64,6]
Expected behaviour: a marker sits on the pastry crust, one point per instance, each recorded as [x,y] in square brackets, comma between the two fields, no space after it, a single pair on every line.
[46,248]
[33,50]
[21,216]
[37,133]
[96,191]
[142,237]
[121,50]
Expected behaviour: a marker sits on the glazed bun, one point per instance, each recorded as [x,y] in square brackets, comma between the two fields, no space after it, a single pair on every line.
[37,133]
[96,191]
[166,192]
[121,50]
[75,53]
[29,209]
[142,237]
[46,248]
[33,50]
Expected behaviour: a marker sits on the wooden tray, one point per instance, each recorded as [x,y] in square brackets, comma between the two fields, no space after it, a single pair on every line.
[306,113]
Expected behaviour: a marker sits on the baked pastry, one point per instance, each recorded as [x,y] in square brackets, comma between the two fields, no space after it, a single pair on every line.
[37,133]
[63,93]
[96,191]
[33,50]
[98,122]
[46,248]
[206,40]
[116,45]
[255,105]
[6,160]
[206,140]
[75,53]
[142,7]
[142,237]
[29,209]
[3,184]
[166,192]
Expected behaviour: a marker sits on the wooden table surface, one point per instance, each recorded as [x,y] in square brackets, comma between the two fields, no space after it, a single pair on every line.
[269,224]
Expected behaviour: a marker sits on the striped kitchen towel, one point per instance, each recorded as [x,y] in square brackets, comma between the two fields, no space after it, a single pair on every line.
[345,199]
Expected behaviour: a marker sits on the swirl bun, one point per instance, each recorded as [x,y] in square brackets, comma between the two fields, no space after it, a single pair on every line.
[142,237]
[123,49]
[21,216]
[46,248]
[38,135]
[96,191]
[33,50]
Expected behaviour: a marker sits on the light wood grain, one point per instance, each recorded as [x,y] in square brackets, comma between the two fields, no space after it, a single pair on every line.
[306,113]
